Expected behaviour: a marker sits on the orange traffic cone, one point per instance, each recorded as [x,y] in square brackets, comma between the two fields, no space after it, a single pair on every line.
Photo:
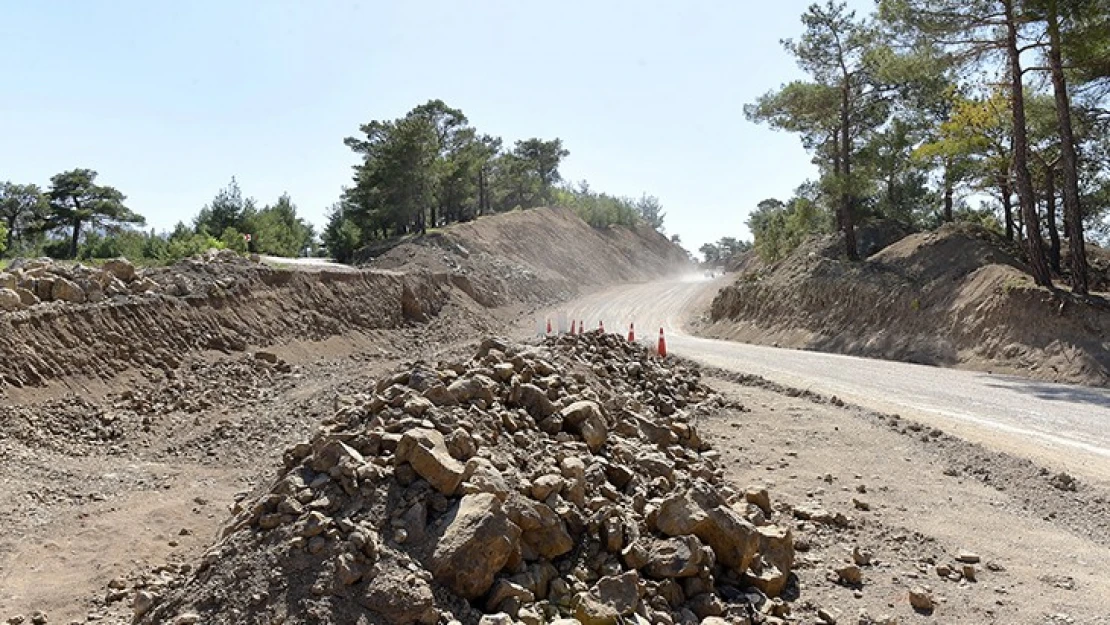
[572,332]
[549,326]
[632,333]
[662,344]
[601,327]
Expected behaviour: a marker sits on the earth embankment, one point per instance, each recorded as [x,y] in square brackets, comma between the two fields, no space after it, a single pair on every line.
[98,322]
[958,296]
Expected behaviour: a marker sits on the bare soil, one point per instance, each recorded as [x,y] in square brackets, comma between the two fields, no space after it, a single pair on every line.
[928,496]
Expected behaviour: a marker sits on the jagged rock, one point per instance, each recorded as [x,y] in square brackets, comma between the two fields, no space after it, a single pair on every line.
[26,296]
[481,476]
[475,388]
[10,300]
[477,542]
[439,395]
[698,511]
[760,497]
[120,268]
[921,599]
[461,445]
[427,452]
[542,529]
[533,399]
[142,602]
[675,557]
[545,486]
[8,281]
[63,290]
[400,598]
[620,592]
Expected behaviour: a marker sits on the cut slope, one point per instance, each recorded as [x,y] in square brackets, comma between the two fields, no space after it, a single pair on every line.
[223,302]
[958,296]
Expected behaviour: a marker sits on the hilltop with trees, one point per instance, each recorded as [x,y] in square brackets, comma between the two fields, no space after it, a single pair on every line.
[432,168]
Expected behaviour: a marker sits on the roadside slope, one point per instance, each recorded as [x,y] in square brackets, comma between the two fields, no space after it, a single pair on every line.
[225,303]
[954,297]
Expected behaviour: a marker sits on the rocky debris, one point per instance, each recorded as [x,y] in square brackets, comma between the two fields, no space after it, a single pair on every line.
[921,599]
[574,487]
[43,280]
[36,281]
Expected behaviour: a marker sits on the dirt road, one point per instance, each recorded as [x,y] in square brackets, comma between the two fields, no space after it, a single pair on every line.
[1057,425]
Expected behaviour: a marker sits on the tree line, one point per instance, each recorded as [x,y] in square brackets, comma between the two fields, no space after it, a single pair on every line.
[76,217]
[423,171]
[917,110]
[431,168]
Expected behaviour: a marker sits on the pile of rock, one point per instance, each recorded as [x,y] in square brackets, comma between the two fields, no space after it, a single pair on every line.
[29,282]
[530,484]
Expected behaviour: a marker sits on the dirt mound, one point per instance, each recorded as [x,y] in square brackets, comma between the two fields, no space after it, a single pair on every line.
[525,485]
[537,256]
[956,296]
[61,321]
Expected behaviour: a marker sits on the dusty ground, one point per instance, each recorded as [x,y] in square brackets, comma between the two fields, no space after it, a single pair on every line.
[86,507]
[930,496]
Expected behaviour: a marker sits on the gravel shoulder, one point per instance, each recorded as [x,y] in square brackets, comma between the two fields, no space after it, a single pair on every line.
[1042,549]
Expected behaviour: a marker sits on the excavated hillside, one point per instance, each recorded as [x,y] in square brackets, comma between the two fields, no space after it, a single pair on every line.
[65,322]
[536,256]
[958,296]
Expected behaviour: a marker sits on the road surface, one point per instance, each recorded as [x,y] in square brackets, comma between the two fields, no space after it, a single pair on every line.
[1066,427]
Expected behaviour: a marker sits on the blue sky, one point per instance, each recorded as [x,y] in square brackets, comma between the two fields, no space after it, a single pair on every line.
[168,101]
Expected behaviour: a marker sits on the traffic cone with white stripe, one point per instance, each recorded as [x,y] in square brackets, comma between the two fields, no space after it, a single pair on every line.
[549,327]
[662,344]
[632,333]
[572,331]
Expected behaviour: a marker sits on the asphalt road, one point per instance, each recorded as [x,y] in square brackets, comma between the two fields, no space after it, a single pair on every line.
[1066,427]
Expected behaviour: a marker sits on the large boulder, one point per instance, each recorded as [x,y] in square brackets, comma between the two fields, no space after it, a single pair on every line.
[587,420]
[120,268]
[676,557]
[427,452]
[478,387]
[8,281]
[477,541]
[10,300]
[27,297]
[65,290]
[400,599]
[533,399]
[701,512]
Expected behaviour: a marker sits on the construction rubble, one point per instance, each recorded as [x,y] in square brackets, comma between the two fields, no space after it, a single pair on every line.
[559,483]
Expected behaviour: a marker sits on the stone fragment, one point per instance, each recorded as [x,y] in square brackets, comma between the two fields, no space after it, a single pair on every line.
[120,268]
[10,300]
[427,452]
[760,497]
[921,599]
[63,290]
[968,557]
[476,543]
[850,575]
[675,557]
